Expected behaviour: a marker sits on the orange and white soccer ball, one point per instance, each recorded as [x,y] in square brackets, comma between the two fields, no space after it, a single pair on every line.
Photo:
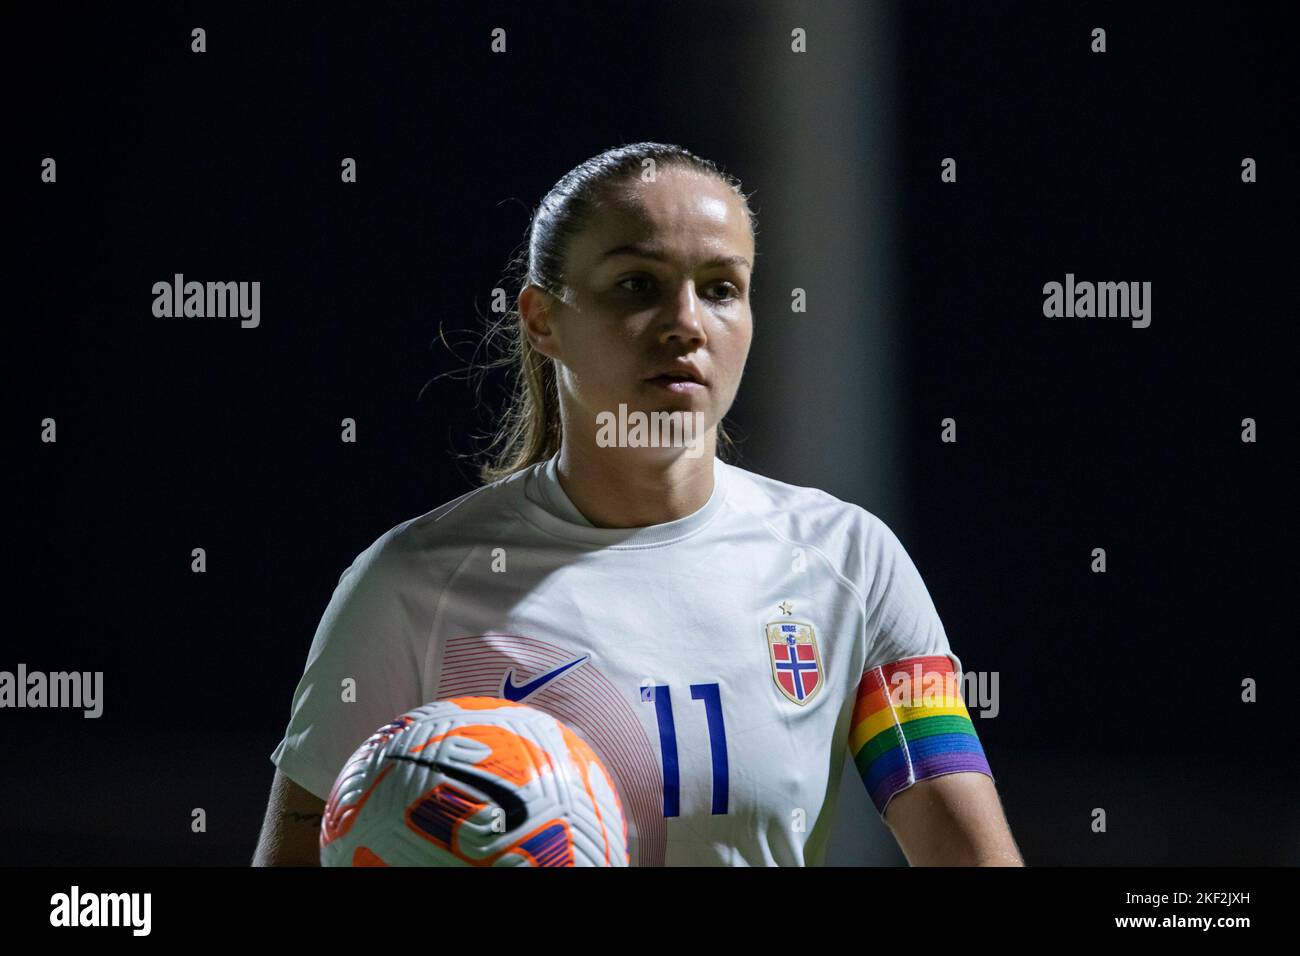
[474,781]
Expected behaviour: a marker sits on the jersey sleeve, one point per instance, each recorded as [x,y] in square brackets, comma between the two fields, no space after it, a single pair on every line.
[910,720]
[365,634]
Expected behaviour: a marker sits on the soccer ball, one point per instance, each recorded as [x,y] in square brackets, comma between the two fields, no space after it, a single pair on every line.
[474,781]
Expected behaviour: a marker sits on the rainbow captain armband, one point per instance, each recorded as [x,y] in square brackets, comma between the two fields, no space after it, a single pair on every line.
[909,723]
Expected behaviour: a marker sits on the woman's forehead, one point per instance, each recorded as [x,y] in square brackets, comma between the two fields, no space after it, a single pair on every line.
[675,214]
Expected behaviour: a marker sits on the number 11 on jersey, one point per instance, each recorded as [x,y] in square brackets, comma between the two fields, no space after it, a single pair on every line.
[662,699]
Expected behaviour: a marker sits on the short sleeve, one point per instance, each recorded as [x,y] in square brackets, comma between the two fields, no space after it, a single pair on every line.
[365,635]
[901,617]
[910,720]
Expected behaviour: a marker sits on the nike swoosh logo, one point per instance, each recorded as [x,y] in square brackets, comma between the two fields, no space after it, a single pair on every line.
[517,692]
[515,809]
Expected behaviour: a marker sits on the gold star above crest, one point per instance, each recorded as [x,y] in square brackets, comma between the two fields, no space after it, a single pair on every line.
[786,607]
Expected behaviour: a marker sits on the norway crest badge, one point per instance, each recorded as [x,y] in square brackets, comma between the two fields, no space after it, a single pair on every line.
[796,663]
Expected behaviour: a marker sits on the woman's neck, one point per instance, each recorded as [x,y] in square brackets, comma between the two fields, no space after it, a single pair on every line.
[635,487]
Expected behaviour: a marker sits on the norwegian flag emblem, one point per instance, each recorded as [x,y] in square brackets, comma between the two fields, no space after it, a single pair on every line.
[796,662]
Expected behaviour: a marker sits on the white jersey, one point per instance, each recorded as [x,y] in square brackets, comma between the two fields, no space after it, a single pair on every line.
[719,664]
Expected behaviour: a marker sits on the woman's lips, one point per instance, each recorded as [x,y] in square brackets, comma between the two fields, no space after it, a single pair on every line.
[681,386]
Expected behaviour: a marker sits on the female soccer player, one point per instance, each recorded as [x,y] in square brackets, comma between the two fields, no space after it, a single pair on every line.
[717,636]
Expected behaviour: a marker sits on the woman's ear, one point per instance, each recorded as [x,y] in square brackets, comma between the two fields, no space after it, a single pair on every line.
[535,316]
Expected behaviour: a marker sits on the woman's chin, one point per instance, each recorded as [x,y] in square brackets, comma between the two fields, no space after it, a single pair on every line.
[654,426]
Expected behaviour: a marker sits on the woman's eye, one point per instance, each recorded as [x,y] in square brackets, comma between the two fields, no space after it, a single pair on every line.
[622,283]
[641,285]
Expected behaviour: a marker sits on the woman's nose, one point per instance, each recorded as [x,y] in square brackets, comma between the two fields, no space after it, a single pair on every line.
[684,315]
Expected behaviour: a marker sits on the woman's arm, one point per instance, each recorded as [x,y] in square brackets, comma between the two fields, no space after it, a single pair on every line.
[952,820]
[291,830]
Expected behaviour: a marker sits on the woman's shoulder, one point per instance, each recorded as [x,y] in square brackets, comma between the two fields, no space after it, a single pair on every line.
[802,504]
[855,541]
[451,528]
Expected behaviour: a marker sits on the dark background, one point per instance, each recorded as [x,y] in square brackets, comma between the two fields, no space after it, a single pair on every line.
[1119,691]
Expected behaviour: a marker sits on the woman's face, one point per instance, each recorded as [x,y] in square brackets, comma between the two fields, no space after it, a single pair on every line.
[659,280]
